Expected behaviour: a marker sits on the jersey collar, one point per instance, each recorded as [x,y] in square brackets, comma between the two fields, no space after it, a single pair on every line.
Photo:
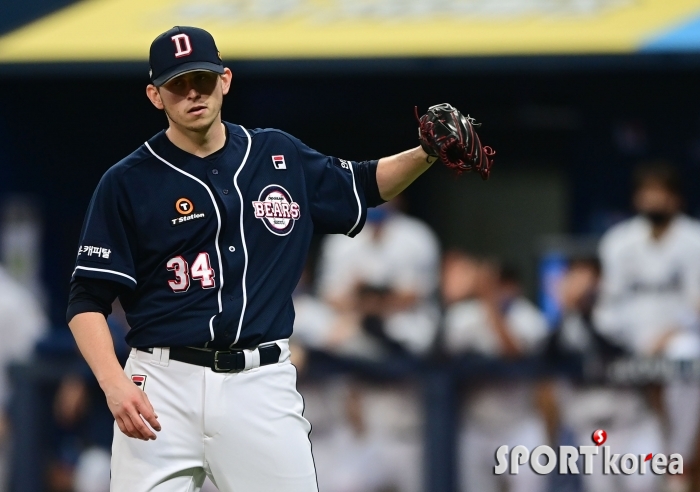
[162,145]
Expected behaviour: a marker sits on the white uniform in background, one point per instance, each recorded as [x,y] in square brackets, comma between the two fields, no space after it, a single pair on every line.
[404,256]
[649,288]
[497,412]
[313,325]
[346,460]
[624,413]
[22,323]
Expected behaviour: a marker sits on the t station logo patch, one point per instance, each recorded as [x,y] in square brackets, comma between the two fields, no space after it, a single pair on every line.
[277,210]
[185,208]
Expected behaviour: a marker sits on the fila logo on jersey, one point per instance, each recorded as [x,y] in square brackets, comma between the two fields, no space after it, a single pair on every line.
[278,162]
[277,210]
[186,210]
[139,380]
[183,46]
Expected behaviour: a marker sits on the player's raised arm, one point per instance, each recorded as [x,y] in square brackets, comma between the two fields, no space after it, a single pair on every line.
[445,135]
[395,173]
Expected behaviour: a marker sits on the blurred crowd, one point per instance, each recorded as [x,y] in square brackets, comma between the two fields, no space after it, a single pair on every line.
[393,294]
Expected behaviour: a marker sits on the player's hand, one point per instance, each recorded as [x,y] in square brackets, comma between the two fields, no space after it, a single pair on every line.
[131,409]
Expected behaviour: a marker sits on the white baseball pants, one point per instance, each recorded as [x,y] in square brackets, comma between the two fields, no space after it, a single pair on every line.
[245,430]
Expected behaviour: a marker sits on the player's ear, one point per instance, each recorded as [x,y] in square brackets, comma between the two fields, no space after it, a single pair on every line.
[154,96]
[226,79]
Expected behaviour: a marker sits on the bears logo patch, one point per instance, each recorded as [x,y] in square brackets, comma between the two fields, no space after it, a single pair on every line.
[277,210]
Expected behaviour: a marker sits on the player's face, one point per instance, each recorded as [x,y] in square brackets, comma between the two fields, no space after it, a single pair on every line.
[654,199]
[192,100]
[577,286]
[460,277]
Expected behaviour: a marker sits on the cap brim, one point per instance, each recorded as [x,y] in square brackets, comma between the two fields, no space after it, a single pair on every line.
[186,68]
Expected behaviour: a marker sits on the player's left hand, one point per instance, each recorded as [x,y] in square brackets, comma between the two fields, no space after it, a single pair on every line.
[449,136]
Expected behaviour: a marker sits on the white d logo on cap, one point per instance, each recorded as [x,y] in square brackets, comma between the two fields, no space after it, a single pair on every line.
[182,45]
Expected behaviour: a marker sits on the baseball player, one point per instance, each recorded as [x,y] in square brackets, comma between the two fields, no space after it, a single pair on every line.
[650,296]
[202,233]
[494,320]
[22,324]
[624,413]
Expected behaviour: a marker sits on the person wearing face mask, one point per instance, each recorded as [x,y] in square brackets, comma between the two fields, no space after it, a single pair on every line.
[650,296]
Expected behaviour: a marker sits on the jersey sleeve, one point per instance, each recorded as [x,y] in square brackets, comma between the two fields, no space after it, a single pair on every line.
[336,198]
[106,245]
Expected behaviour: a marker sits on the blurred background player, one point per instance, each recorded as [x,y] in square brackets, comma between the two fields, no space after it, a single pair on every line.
[346,455]
[487,314]
[84,422]
[651,295]
[388,274]
[382,286]
[582,407]
[22,323]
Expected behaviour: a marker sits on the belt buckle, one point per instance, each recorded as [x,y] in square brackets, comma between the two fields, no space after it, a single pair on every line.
[218,369]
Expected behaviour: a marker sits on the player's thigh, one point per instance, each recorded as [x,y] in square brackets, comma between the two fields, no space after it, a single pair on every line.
[185,481]
[173,462]
[131,472]
[258,438]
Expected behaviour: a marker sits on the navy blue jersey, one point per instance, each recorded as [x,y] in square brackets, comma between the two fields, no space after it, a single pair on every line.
[211,249]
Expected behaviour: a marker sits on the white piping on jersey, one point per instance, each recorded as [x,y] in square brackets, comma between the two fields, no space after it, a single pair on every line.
[245,248]
[357,197]
[216,239]
[103,270]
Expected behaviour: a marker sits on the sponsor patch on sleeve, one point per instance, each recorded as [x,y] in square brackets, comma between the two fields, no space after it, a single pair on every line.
[343,163]
[95,252]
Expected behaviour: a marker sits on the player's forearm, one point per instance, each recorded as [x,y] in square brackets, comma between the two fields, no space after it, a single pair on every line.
[395,173]
[95,343]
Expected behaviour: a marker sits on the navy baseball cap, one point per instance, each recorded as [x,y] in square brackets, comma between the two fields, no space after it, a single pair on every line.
[180,50]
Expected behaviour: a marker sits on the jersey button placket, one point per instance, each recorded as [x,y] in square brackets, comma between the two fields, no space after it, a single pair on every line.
[224,191]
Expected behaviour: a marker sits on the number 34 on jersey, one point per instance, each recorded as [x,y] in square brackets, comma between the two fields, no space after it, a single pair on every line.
[200,269]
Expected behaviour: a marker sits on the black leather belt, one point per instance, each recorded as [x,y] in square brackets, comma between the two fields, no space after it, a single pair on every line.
[223,360]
